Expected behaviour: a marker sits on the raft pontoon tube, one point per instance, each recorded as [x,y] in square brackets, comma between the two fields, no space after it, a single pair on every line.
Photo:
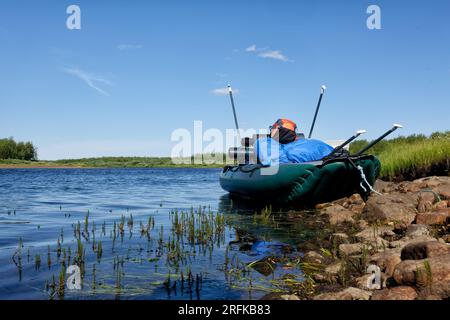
[301,183]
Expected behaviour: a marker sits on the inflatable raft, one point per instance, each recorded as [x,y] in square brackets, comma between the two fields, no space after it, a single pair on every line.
[301,183]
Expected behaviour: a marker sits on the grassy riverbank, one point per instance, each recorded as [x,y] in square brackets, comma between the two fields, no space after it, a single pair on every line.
[415,156]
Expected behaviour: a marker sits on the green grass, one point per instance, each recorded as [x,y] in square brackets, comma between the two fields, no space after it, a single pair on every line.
[106,162]
[411,157]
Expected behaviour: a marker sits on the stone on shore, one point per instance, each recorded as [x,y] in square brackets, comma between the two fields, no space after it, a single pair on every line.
[417,230]
[423,250]
[337,214]
[423,272]
[438,217]
[396,293]
[397,208]
[347,294]
[387,260]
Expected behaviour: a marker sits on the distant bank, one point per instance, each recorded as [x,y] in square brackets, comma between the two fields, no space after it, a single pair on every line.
[402,158]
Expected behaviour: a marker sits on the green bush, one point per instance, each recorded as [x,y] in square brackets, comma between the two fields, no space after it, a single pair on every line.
[10,149]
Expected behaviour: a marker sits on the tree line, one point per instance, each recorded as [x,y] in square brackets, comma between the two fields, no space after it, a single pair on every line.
[10,149]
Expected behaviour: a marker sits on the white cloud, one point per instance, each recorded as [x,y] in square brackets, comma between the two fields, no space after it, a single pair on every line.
[89,79]
[252,48]
[274,54]
[223,91]
[267,53]
[123,47]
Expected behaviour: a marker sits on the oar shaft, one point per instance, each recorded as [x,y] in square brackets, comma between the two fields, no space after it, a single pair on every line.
[232,106]
[370,145]
[344,144]
[322,91]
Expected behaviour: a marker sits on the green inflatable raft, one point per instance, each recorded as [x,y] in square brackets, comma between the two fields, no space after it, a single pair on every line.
[302,183]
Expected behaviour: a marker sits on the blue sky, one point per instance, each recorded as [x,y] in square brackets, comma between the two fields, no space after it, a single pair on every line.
[137,70]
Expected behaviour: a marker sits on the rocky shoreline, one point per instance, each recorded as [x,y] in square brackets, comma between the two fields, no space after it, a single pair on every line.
[401,234]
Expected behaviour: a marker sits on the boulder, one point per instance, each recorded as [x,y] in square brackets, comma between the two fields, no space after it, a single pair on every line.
[347,294]
[417,230]
[436,291]
[407,240]
[313,257]
[443,190]
[349,249]
[423,250]
[432,182]
[337,214]
[374,236]
[339,238]
[441,205]
[396,293]
[396,207]
[423,272]
[438,217]
[386,260]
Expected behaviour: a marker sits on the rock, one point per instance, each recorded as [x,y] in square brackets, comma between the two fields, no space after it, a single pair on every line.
[347,294]
[436,291]
[417,230]
[443,191]
[439,217]
[406,240]
[313,257]
[390,208]
[396,293]
[321,206]
[431,182]
[424,206]
[337,214]
[446,238]
[362,224]
[280,296]
[339,238]
[361,282]
[289,297]
[427,196]
[331,272]
[264,266]
[408,187]
[441,205]
[386,260]
[373,236]
[351,249]
[423,250]
[384,186]
[423,272]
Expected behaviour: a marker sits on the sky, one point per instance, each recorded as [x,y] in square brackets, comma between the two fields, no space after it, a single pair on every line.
[138,70]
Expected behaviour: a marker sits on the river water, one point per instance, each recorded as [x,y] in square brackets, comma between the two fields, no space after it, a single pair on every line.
[144,234]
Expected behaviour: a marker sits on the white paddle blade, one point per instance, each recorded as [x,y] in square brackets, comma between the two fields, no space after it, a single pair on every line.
[396,125]
[323,88]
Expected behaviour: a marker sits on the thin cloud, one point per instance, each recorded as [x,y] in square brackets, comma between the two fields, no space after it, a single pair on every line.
[274,54]
[252,48]
[89,79]
[123,47]
[267,53]
[223,91]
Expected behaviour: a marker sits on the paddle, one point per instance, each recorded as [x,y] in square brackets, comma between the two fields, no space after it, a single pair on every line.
[356,135]
[374,142]
[230,91]
[322,91]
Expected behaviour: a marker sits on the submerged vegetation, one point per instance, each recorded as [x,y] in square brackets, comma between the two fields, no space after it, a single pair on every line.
[411,157]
